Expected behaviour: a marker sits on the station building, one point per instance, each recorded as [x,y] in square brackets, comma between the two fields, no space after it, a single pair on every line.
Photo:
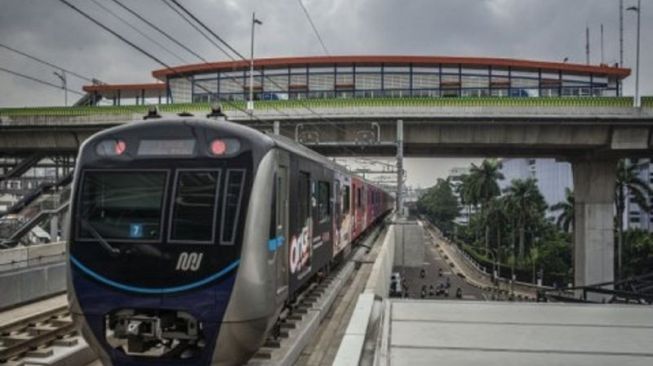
[367,77]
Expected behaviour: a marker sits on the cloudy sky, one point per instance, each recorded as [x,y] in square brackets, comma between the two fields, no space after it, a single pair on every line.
[528,29]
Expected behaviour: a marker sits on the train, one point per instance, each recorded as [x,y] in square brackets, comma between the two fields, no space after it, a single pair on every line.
[189,237]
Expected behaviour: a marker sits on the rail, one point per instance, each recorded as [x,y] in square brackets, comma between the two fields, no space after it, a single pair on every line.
[24,335]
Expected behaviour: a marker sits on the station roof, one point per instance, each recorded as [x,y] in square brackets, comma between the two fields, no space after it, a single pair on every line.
[369,60]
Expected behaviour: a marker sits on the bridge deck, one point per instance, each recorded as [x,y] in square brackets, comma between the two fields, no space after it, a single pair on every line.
[492,333]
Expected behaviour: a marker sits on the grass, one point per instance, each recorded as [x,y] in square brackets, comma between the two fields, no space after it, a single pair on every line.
[337,103]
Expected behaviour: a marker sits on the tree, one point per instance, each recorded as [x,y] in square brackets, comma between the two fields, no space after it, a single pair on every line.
[526,205]
[566,218]
[638,254]
[628,184]
[482,186]
[440,205]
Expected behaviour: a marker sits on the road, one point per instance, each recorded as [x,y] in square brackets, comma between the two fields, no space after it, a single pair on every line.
[433,262]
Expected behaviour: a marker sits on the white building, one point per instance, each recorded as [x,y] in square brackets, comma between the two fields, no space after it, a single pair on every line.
[634,216]
[455,176]
[552,177]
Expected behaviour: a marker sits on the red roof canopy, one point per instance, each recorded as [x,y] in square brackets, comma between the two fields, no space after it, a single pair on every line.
[481,62]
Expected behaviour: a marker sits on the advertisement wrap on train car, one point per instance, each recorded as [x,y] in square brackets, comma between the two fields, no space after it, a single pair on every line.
[343,218]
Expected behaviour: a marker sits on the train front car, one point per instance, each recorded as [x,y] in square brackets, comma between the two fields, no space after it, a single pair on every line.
[164,265]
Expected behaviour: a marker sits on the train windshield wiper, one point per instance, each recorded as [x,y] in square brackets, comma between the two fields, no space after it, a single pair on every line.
[114,252]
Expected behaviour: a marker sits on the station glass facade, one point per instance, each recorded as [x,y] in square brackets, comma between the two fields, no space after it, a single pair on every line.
[365,81]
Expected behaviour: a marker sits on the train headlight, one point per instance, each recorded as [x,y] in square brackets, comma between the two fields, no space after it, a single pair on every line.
[111,148]
[224,147]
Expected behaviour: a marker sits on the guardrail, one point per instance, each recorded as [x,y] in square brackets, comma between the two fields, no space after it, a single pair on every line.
[510,102]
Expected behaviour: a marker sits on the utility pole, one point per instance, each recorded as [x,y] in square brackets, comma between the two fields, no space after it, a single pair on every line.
[587,45]
[250,101]
[400,166]
[64,85]
[602,59]
[621,41]
[637,9]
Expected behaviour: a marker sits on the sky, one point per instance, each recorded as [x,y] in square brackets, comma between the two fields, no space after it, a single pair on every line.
[549,30]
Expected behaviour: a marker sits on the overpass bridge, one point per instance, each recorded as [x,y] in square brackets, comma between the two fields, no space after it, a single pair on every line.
[592,133]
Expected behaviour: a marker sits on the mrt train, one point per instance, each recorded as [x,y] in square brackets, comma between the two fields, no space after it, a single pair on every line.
[188,237]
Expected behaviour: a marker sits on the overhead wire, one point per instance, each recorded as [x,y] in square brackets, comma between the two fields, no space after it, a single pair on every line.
[231,77]
[182,16]
[143,34]
[161,31]
[267,77]
[141,50]
[37,80]
[22,53]
[317,33]
[226,44]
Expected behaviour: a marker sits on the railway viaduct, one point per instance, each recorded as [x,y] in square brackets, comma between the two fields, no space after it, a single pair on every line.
[591,137]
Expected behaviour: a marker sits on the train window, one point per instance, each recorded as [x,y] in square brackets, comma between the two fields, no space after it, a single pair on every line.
[359,193]
[233,194]
[305,198]
[122,205]
[194,206]
[345,200]
[323,199]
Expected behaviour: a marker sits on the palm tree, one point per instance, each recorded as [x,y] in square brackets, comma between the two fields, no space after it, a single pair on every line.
[497,218]
[566,218]
[482,185]
[467,195]
[628,184]
[526,202]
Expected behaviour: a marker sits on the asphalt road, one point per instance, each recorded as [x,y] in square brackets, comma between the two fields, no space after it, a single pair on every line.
[433,262]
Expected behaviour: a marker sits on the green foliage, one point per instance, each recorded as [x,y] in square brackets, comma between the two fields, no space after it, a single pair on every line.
[638,253]
[509,102]
[565,220]
[440,205]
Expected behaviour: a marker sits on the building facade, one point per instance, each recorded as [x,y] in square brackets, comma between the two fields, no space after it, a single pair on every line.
[552,176]
[368,77]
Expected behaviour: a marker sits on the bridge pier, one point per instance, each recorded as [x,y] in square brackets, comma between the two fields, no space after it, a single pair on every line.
[594,184]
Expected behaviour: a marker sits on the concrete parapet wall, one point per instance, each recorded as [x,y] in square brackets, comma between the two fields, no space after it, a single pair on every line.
[36,255]
[29,284]
[379,280]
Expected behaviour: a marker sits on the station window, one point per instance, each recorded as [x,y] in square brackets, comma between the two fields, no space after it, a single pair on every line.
[323,199]
[194,206]
[233,195]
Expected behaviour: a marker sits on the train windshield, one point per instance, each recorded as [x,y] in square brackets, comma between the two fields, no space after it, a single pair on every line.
[122,205]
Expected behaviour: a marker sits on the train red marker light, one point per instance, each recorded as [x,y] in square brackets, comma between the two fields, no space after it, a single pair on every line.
[218,147]
[120,147]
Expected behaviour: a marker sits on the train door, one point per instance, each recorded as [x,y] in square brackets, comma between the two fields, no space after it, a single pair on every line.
[282,229]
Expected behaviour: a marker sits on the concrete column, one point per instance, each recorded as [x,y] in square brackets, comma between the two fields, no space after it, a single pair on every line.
[54,228]
[594,184]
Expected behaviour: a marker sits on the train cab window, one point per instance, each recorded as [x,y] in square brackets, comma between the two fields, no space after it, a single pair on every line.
[194,206]
[233,194]
[122,205]
[346,200]
[323,200]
